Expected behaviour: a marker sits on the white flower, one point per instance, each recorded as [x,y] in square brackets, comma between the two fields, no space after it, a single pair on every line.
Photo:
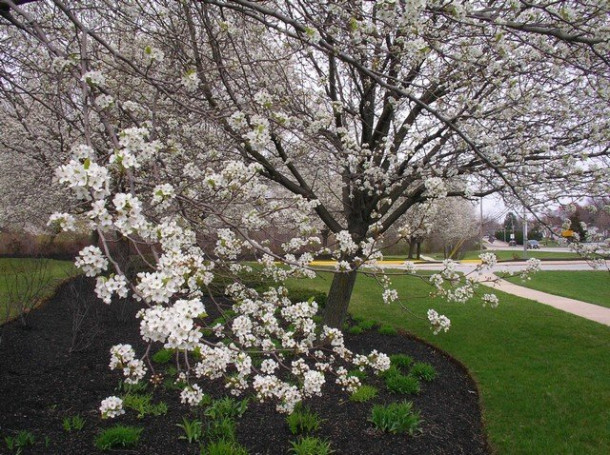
[106,287]
[435,187]
[91,261]
[94,78]
[65,221]
[190,81]
[438,322]
[111,407]
[191,395]
[491,300]
[104,101]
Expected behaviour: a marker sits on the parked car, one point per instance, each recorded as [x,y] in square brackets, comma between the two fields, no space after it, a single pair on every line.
[512,243]
[533,244]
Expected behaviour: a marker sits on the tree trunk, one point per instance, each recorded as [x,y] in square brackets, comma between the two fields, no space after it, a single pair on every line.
[418,249]
[411,247]
[338,298]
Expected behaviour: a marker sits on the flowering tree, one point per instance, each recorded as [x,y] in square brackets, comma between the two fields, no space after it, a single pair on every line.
[220,118]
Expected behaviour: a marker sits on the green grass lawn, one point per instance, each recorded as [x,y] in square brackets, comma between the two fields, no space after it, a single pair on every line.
[543,373]
[19,275]
[589,286]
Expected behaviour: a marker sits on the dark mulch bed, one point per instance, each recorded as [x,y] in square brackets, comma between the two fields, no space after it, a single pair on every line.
[42,382]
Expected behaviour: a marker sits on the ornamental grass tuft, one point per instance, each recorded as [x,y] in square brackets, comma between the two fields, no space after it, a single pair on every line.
[396,418]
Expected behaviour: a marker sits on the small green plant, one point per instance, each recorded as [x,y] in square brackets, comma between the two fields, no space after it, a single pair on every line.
[162,356]
[367,324]
[401,361]
[19,442]
[226,407]
[118,436]
[396,418]
[223,447]
[423,371]
[74,423]
[392,371]
[355,330]
[221,429]
[387,330]
[310,446]
[364,393]
[193,430]
[402,384]
[143,406]
[303,421]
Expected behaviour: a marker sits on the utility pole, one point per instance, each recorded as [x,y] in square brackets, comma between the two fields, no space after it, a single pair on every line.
[524,232]
[481,226]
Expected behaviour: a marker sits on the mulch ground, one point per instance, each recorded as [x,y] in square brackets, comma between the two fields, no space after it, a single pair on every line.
[58,368]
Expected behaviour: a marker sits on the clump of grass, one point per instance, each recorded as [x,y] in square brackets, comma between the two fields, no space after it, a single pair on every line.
[392,371]
[221,429]
[74,423]
[423,371]
[223,447]
[402,384]
[226,407]
[118,436]
[396,418]
[310,446]
[193,430]
[401,361]
[364,393]
[303,421]
[162,356]
[143,406]
[355,330]
[19,442]
[387,330]
[367,324]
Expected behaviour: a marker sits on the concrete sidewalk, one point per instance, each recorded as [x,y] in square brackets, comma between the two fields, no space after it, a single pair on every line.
[586,310]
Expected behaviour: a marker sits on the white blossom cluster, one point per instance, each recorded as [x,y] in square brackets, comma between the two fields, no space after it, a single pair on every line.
[111,407]
[94,78]
[190,81]
[123,357]
[64,221]
[438,322]
[191,395]
[87,179]
[105,288]
[91,261]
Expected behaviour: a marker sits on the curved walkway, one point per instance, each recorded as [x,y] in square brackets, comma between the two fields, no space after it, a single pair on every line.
[586,310]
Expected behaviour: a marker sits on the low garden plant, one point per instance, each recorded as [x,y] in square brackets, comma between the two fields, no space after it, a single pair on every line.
[74,423]
[310,446]
[364,393]
[222,447]
[403,384]
[396,418]
[423,371]
[118,436]
[303,421]
[193,430]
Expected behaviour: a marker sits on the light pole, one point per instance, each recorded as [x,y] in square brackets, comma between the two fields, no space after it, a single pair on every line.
[524,232]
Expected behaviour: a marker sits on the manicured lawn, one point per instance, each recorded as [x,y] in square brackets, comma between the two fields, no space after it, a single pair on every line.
[543,374]
[39,277]
[588,286]
[502,255]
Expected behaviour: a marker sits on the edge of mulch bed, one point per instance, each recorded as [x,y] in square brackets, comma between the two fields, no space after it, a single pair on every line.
[466,371]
